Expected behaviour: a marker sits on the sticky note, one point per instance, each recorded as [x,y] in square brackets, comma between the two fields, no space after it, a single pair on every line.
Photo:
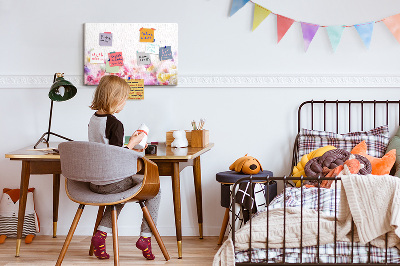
[96,57]
[152,48]
[146,35]
[143,58]
[165,53]
[111,69]
[137,89]
[116,59]
[105,39]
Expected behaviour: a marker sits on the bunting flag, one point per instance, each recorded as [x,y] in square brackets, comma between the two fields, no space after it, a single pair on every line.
[309,31]
[283,24]
[365,32]
[393,23]
[236,5]
[335,35]
[260,13]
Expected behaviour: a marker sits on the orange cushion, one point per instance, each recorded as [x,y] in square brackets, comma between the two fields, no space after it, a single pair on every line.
[380,166]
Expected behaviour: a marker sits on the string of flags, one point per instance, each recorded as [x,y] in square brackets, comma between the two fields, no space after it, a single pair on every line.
[309,30]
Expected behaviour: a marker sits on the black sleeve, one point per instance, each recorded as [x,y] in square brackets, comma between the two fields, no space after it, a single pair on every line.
[114,131]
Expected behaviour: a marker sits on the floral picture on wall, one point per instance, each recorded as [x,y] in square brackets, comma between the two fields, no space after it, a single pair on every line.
[147,51]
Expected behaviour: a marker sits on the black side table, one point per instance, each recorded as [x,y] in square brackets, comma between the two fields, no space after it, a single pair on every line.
[229,178]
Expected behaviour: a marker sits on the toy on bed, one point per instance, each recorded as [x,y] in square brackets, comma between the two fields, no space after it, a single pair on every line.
[9,205]
[380,166]
[246,165]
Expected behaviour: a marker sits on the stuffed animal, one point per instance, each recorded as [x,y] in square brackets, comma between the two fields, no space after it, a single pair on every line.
[9,205]
[246,165]
[380,166]
[180,140]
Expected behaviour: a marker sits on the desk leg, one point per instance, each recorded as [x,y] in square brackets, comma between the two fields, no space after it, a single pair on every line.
[176,190]
[56,199]
[25,175]
[197,187]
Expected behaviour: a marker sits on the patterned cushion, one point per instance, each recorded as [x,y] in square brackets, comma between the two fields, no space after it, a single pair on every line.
[377,139]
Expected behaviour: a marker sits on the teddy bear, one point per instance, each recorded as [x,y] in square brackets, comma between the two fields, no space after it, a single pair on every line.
[180,140]
[9,205]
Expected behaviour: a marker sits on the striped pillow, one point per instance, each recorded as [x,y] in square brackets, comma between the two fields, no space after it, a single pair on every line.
[377,140]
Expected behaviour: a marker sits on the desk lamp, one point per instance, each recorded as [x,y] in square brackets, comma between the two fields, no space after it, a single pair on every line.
[61,90]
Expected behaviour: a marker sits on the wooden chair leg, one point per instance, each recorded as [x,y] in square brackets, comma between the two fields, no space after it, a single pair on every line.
[70,234]
[115,234]
[154,230]
[223,227]
[98,220]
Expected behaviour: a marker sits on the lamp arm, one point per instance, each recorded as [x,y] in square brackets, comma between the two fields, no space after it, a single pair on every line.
[51,114]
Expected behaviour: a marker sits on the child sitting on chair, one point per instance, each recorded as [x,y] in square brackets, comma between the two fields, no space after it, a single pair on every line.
[110,98]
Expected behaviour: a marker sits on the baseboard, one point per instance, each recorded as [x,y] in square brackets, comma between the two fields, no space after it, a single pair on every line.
[129,231]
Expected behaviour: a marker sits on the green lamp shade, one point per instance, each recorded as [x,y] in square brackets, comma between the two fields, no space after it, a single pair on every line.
[62,90]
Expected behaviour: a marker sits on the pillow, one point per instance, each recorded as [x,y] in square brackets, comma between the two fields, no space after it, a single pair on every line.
[394,143]
[380,166]
[377,139]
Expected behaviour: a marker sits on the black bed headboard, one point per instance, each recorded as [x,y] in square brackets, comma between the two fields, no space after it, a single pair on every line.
[346,116]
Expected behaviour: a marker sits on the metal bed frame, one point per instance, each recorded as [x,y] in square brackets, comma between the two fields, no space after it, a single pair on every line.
[337,108]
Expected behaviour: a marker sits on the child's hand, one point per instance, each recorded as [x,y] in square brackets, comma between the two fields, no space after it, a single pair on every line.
[141,150]
[135,139]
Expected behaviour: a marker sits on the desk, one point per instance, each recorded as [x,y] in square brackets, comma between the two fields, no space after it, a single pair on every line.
[170,162]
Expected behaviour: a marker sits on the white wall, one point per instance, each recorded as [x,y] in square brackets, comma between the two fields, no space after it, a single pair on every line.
[40,38]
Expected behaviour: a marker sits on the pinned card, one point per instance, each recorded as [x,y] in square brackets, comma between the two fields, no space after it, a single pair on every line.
[143,58]
[109,69]
[146,35]
[152,48]
[165,53]
[96,57]
[116,59]
[105,39]
[137,89]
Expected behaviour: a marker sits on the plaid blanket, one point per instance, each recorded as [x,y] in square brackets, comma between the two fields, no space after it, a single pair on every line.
[326,252]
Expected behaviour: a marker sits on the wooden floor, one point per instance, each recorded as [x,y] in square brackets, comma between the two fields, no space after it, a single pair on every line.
[44,250]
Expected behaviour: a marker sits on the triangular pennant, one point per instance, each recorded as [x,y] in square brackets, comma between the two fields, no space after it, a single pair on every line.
[393,23]
[283,24]
[260,13]
[236,5]
[335,35]
[309,31]
[365,32]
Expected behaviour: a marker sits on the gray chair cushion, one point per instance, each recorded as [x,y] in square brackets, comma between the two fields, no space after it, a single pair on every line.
[96,162]
[79,191]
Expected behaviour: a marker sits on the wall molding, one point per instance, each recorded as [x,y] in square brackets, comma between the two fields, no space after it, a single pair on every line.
[239,81]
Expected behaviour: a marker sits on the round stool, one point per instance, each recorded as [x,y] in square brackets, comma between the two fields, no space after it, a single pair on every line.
[229,178]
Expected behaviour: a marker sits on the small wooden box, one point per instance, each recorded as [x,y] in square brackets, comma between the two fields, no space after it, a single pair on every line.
[170,138]
[200,138]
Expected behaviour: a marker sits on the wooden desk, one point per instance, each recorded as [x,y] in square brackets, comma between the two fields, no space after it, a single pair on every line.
[170,162]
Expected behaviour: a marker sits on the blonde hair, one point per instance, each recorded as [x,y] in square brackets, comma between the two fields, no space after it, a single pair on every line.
[109,93]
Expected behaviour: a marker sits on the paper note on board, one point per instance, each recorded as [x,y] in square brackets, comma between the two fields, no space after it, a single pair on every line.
[137,89]
[152,48]
[146,35]
[105,39]
[165,53]
[116,59]
[96,57]
[111,69]
[143,58]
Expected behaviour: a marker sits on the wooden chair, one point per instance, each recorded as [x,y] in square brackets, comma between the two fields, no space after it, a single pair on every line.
[83,162]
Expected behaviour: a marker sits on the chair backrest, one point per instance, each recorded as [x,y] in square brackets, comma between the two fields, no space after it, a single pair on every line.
[93,162]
